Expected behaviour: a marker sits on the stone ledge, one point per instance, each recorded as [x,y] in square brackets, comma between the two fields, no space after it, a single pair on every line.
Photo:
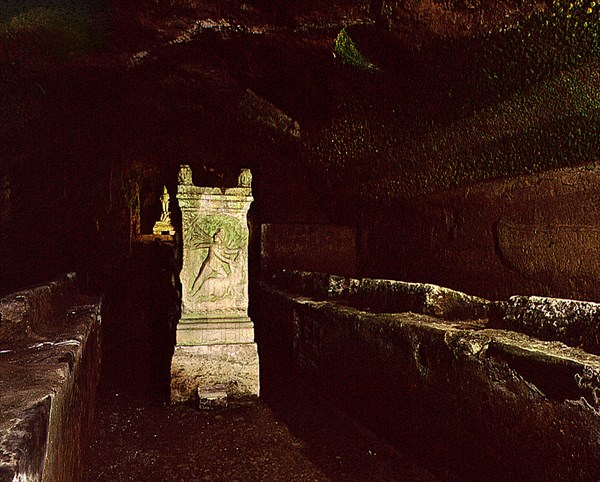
[476,403]
[386,296]
[48,382]
[210,398]
[24,312]
[576,323]
[214,333]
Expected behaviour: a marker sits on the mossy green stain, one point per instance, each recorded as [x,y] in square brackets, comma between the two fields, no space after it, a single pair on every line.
[346,49]
[524,100]
[60,33]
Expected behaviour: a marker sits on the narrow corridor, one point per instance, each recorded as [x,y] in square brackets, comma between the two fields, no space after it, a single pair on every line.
[289,435]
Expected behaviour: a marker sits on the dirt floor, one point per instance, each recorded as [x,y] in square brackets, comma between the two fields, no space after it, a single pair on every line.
[289,435]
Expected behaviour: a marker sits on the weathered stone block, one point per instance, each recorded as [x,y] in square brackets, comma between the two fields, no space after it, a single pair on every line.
[399,296]
[470,400]
[24,438]
[48,380]
[25,312]
[232,366]
[576,323]
[211,398]
[386,296]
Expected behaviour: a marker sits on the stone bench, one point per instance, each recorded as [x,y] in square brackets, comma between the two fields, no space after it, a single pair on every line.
[49,369]
[473,401]
[386,296]
[575,323]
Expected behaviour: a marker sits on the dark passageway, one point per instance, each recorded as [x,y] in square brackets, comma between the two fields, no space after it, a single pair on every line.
[445,142]
[292,433]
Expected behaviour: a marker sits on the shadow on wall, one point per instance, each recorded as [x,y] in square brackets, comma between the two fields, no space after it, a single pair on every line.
[533,234]
[309,247]
[142,306]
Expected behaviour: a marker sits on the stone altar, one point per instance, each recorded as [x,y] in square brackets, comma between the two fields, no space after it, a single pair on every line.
[215,337]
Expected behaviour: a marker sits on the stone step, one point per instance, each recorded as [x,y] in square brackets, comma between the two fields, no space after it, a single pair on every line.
[211,398]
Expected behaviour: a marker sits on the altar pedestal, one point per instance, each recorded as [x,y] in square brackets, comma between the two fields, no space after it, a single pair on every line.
[215,337]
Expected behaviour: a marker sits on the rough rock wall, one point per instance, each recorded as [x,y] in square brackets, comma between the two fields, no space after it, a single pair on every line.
[454,18]
[141,308]
[528,235]
[309,247]
[219,84]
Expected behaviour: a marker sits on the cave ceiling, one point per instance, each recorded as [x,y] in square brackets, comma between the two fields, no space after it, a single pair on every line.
[232,82]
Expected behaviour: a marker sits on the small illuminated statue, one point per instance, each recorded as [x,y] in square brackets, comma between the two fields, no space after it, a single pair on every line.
[164,226]
[165,216]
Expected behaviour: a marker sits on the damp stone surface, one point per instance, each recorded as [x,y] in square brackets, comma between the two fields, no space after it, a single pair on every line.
[215,337]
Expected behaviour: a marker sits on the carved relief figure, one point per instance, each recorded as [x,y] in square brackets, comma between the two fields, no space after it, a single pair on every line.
[217,265]
[221,274]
